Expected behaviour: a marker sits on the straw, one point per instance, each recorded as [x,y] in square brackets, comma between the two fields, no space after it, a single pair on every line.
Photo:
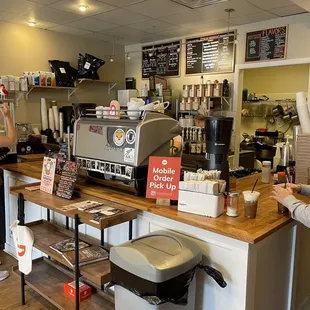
[254,185]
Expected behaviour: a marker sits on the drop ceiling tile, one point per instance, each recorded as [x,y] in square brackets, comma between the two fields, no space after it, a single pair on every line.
[125,32]
[186,19]
[121,3]
[209,26]
[288,10]
[158,8]
[305,4]
[150,39]
[18,6]
[252,18]
[127,42]
[43,2]
[53,16]
[179,32]
[102,37]
[92,24]
[241,7]
[94,7]
[149,25]
[270,4]
[6,16]
[121,17]
[69,30]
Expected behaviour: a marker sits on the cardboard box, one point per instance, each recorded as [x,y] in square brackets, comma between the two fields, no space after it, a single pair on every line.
[201,204]
[85,290]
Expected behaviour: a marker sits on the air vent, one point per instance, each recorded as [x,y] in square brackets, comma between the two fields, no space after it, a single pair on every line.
[194,4]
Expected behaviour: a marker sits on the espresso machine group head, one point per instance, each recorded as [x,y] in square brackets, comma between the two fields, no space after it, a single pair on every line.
[218,136]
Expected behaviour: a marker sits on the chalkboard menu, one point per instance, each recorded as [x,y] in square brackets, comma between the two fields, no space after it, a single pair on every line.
[267,44]
[211,54]
[161,59]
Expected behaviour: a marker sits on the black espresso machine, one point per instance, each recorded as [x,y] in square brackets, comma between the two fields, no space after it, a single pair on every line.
[218,136]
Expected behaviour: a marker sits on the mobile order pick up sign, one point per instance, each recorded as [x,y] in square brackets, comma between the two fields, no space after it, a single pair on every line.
[163,178]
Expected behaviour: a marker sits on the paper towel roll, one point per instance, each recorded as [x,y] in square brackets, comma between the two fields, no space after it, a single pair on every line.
[61,125]
[51,120]
[303,112]
[56,116]
[44,118]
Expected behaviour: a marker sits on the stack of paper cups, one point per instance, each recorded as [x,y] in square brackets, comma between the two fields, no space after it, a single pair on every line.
[296,131]
[44,119]
[61,125]
[303,112]
[51,120]
[56,116]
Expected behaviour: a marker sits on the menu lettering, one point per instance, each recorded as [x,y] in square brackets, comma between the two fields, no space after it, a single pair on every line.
[161,59]
[210,54]
[266,44]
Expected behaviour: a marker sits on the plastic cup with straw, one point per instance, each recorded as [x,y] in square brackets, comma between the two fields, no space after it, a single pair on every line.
[251,202]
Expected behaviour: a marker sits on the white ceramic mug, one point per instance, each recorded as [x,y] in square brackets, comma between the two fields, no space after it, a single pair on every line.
[161,107]
[133,110]
[99,111]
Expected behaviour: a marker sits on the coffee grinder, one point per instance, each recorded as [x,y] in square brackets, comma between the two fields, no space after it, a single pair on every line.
[218,136]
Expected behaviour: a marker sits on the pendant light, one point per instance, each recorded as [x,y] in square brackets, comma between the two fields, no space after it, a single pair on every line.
[151,54]
[229,11]
[113,55]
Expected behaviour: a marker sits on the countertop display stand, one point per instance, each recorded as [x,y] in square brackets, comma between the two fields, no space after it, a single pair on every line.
[43,228]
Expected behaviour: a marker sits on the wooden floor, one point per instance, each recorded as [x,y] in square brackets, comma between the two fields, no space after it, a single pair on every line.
[10,290]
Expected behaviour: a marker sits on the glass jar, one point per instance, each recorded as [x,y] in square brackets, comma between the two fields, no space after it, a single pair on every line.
[196,103]
[188,105]
[232,204]
[266,172]
[185,91]
[282,179]
[183,104]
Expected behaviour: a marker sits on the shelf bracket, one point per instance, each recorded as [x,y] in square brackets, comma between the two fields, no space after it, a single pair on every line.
[111,86]
[227,101]
[19,95]
[29,91]
[71,92]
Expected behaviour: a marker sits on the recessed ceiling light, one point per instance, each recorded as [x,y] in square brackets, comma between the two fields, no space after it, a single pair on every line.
[83,8]
[32,24]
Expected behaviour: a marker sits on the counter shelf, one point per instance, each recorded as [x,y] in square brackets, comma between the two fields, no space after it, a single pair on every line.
[46,233]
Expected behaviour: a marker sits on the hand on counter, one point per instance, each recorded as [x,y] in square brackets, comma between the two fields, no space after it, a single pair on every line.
[294,187]
[280,193]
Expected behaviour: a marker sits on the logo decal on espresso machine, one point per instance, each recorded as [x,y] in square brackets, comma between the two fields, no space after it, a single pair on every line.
[119,137]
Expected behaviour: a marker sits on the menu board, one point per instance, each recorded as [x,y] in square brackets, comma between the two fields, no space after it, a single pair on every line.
[68,179]
[267,44]
[161,59]
[211,54]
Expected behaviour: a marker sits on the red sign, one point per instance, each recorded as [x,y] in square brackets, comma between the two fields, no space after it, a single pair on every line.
[163,178]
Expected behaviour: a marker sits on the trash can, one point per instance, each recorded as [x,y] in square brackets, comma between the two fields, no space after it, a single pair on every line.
[155,272]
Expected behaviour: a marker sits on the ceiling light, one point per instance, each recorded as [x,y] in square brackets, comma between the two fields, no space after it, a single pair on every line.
[128,56]
[32,24]
[194,4]
[83,8]
[111,59]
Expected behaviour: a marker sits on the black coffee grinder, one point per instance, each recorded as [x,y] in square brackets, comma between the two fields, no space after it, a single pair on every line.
[218,136]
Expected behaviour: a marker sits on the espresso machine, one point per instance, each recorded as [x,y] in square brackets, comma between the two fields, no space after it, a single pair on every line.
[218,136]
[115,151]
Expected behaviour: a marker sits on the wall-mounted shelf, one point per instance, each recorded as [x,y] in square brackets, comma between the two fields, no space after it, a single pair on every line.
[70,90]
[111,84]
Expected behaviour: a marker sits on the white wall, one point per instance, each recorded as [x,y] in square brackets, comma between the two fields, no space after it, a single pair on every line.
[28,49]
[298,47]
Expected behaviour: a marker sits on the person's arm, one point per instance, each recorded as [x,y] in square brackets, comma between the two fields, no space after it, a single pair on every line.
[11,138]
[299,210]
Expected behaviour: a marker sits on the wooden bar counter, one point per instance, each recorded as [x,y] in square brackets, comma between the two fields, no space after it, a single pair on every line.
[268,219]
[258,257]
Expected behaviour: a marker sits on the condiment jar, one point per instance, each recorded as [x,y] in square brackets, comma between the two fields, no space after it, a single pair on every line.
[232,204]
[196,103]
[266,172]
[185,91]
[188,104]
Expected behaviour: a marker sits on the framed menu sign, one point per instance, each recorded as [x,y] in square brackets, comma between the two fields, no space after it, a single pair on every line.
[266,44]
[210,54]
[161,59]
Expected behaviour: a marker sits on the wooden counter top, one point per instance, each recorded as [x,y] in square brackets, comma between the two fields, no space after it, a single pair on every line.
[30,157]
[247,230]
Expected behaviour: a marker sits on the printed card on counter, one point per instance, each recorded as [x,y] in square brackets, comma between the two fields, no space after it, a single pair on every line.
[48,175]
[68,179]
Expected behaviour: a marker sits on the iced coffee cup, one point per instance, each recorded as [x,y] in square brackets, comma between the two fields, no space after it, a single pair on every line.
[250,204]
